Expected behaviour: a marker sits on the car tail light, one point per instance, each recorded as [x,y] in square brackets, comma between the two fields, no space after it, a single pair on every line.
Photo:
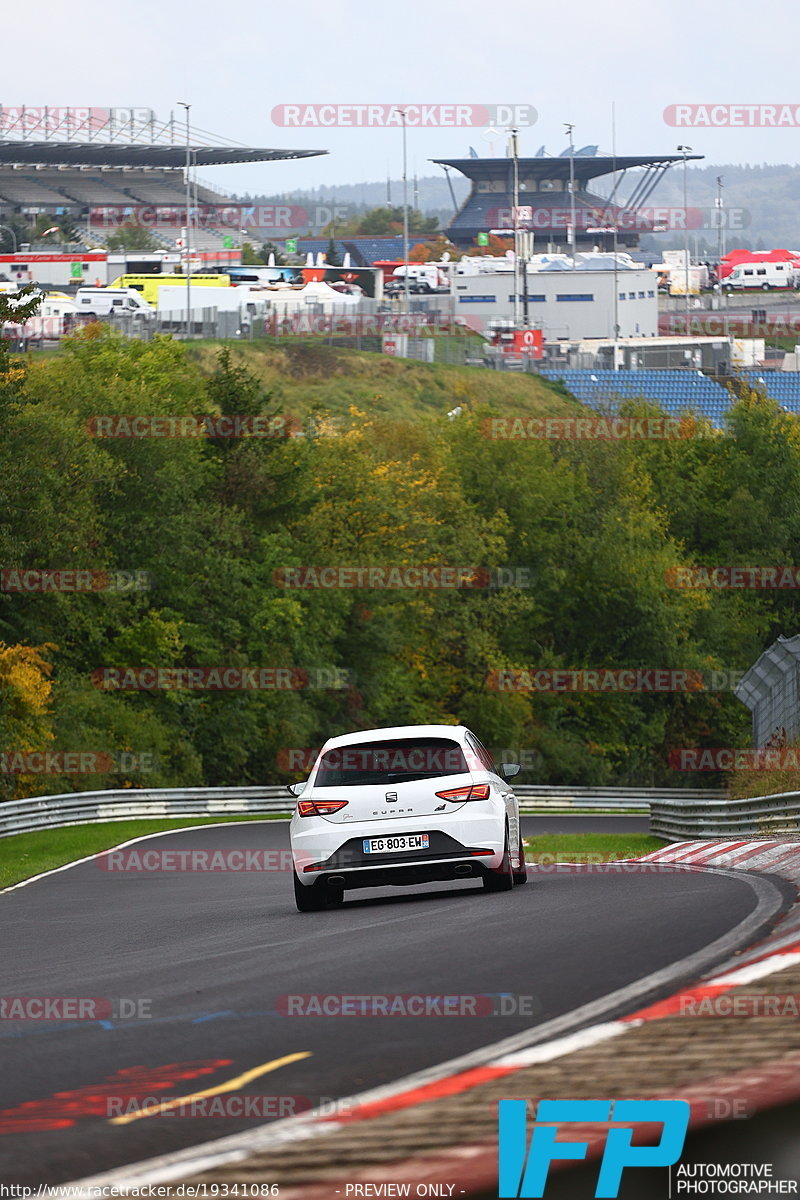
[318,808]
[472,791]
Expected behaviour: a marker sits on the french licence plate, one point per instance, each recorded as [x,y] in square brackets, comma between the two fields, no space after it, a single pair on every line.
[390,845]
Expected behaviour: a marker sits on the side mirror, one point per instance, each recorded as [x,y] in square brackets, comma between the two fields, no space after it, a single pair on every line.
[296,789]
[509,770]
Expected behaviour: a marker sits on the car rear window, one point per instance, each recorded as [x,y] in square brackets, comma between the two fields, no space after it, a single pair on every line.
[398,760]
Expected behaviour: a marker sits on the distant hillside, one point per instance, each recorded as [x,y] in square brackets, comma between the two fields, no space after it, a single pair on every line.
[769,194]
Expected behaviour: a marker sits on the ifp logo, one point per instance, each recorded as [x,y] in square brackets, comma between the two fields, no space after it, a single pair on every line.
[523,1170]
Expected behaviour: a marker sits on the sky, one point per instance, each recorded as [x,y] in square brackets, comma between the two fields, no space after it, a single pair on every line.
[569,62]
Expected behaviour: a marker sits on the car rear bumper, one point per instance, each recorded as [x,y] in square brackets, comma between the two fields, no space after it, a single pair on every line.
[448,857]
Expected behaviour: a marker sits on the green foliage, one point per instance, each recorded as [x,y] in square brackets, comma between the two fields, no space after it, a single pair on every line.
[135,238]
[382,222]
[67,229]
[251,257]
[379,478]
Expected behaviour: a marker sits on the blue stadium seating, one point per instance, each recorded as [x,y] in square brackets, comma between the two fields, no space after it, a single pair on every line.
[675,392]
[363,251]
[781,386]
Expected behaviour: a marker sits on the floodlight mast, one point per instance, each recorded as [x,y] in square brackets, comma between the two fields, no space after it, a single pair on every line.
[515,214]
[187,238]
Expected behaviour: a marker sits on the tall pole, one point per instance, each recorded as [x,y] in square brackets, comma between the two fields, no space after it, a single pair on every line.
[569,128]
[402,113]
[515,215]
[721,249]
[684,150]
[188,238]
[616,229]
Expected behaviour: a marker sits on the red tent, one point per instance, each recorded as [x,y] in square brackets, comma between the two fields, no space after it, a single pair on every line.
[734,257]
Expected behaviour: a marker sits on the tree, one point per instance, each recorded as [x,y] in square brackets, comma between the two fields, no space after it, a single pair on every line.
[433,249]
[13,229]
[332,255]
[63,224]
[383,222]
[15,307]
[25,724]
[269,248]
[250,256]
[135,238]
[496,247]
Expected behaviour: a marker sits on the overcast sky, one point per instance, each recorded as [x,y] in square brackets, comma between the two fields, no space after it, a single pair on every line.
[236,63]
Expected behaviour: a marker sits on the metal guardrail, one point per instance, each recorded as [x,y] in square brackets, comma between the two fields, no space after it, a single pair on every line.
[544,797]
[684,819]
[81,808]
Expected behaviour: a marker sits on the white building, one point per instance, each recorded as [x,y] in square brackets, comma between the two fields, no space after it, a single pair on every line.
[567,302]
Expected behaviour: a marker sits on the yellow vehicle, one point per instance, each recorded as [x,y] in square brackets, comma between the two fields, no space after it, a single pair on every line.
[148,285]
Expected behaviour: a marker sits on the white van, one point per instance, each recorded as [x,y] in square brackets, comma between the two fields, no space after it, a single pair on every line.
[100,302]
[761,275]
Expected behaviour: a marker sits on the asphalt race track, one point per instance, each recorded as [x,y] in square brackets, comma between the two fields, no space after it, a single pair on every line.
[208,955]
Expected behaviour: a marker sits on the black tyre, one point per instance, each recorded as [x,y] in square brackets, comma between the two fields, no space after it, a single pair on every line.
[521,876]
[309,899]
[501,879]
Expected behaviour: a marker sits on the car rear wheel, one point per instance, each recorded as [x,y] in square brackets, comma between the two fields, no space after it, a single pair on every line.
[521,876]
[502,878]
[310,899]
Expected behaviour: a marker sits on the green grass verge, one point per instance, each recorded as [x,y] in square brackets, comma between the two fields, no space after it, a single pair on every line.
[530,810]
[578,847]
[25,854]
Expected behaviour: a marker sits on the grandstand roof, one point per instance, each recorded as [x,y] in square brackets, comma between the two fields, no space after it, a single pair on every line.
[119,154]
[584,167]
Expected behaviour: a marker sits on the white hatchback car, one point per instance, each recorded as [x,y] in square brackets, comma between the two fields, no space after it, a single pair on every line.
[404,805]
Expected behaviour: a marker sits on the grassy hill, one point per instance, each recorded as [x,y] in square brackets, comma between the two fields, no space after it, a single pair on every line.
[304,377]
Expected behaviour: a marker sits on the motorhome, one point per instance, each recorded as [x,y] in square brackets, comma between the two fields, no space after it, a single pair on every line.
[763,276]
[102,301]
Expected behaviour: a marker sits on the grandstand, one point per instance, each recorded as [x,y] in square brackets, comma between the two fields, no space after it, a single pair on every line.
[544,188]
[781,386]
[676,392]
[106,184]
